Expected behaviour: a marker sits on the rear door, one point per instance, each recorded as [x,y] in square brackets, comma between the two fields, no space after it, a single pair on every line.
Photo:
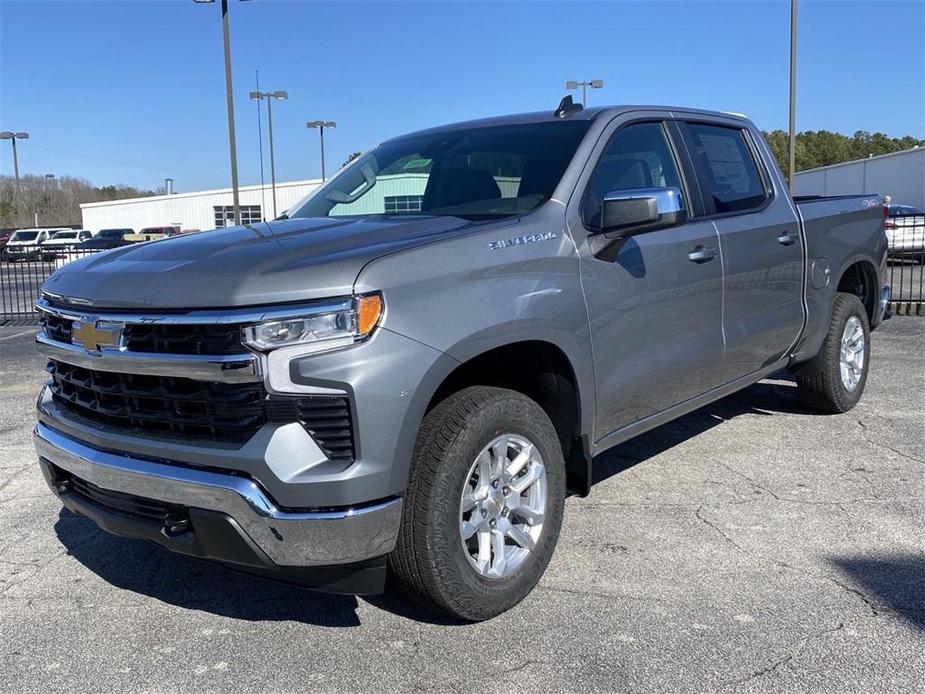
[655,305]
[760,241]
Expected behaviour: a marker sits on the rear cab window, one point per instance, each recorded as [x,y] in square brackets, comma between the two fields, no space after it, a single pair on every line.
[731,179]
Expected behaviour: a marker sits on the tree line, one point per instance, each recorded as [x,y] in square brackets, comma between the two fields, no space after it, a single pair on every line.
[54,201]
[815,148]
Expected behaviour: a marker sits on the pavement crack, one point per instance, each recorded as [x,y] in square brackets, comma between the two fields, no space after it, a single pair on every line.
[785,659]
[878,444]
[722,533]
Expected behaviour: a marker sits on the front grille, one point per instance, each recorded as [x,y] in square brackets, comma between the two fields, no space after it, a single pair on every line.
[183,339]
[204,338]
[57,328]
[161,405]
[128,504]
[188,409]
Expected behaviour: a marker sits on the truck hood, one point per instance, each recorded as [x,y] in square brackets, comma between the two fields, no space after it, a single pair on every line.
[267,263]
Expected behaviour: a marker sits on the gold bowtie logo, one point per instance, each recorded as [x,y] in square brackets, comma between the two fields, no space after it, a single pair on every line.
[94,337]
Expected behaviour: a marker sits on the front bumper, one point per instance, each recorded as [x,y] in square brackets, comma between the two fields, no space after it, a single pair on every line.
[225,517]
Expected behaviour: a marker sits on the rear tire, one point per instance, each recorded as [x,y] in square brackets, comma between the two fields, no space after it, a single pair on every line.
[487,464]
[834,380]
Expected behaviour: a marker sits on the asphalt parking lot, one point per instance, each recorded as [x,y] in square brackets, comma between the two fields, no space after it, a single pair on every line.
[750,546]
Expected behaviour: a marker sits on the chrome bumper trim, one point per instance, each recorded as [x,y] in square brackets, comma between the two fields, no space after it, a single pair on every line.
[233,368]
[316,538]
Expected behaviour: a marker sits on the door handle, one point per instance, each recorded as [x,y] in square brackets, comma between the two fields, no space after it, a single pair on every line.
[787,239]
[702,255]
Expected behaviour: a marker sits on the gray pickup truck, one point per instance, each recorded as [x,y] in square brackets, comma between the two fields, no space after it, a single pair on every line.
[407,373]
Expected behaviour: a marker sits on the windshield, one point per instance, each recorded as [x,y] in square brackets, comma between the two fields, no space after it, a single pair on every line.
[110,234]
[24,236]
[477,173]
[65,235]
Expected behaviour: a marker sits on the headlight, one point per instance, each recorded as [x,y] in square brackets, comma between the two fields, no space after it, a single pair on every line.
[350,321]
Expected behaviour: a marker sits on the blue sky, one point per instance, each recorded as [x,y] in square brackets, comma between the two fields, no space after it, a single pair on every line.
[131,92]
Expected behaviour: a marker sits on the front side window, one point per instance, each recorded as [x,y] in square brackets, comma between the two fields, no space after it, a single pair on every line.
[731,176]
[638,156]
[488,172]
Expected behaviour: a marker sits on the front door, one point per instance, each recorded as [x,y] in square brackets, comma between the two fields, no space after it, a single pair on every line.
[655,310]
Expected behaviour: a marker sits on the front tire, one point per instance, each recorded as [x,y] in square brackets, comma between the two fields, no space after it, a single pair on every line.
[834,380]
[484,504]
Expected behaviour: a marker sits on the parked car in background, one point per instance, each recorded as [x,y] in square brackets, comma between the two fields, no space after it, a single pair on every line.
[104,240]
[26,244]
[153,233]
[905,232]
[108,238]
[3,239]
[67,238]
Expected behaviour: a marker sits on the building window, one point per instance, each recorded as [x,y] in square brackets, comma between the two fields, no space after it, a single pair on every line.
[224,216]
[401,204]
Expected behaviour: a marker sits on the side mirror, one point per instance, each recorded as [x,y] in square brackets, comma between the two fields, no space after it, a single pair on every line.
[636,211]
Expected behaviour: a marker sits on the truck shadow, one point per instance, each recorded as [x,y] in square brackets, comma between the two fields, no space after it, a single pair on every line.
[764,398]
[196,584]
[895,582]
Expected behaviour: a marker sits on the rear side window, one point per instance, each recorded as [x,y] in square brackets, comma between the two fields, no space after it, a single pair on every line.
[731,176]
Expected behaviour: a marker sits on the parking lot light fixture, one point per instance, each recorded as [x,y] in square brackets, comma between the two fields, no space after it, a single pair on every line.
[270,96]
[321,125]
[229,101]
[594,84]
[12,137]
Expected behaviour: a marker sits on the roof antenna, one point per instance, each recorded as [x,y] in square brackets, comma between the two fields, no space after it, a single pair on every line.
[567,106]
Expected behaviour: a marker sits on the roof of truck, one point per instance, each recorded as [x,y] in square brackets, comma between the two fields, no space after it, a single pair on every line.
[586,114]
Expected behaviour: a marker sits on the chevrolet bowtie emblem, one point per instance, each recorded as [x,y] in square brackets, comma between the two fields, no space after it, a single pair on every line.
[94,336]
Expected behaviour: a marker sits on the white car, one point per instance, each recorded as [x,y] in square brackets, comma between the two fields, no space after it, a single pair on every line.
[67,238]
[905,232]
[26,244]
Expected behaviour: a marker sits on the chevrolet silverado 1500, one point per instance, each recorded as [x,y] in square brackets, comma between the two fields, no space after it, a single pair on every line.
[409,370]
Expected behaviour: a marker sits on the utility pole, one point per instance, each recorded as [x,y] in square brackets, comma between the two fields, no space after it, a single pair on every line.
[321,125]
[229,102]
[12,137]
[269,96]
[791,163]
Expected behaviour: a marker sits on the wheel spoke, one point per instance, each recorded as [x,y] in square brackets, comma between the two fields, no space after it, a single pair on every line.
[534,473]
[499,553]
[484,559]
[519,462]
[468,502]
[499,454]
[520,537]
[472,526]
[484,465]
[528,513]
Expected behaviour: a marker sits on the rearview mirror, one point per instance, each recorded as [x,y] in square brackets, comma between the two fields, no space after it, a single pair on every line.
[635,211]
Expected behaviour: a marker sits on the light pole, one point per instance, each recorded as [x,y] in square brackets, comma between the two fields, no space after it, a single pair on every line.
[48,177]
[229,102]
[12,137]
[594,84]
[321,125]
[269,96]
[792,155]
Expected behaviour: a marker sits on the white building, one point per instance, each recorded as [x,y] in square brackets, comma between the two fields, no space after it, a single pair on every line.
[901,175]
[207,209]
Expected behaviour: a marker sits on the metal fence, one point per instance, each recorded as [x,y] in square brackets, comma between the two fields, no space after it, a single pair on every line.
[906,258]
[23,270]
